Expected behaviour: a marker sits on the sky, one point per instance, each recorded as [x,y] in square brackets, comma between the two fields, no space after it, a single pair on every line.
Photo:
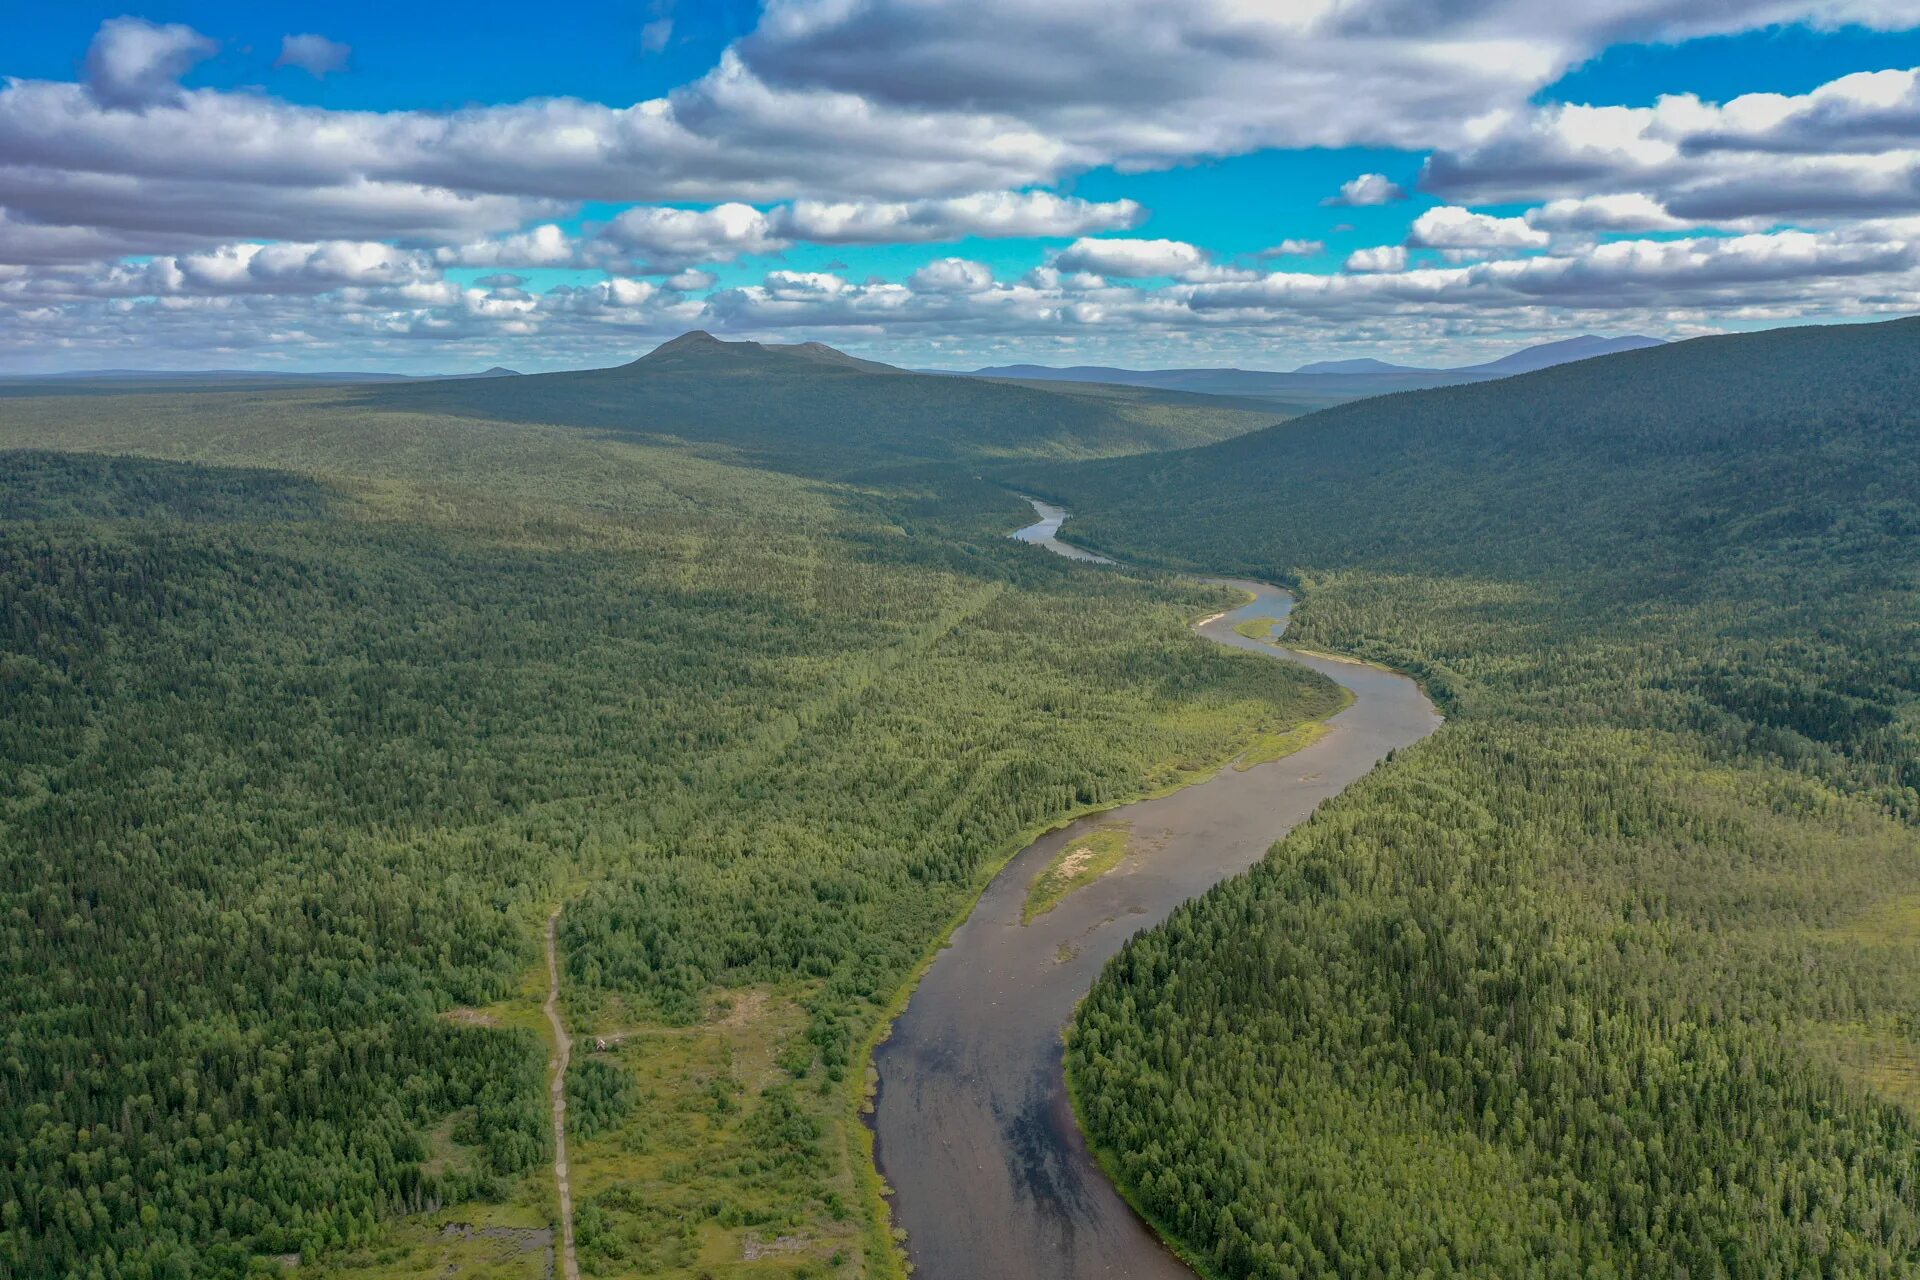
[944,183]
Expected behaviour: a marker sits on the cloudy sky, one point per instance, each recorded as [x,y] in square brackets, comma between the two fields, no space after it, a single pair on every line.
[944,182]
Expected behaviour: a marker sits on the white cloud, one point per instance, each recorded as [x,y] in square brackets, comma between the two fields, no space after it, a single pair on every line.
[1368,188]
[655,238]
[1386,257]
[654,35]
[994,214]
[679,237]
[951,275]
[136,63]
[1629,211]
[542,246]
[1451,227]
[316,55]
[1849,148]
[1130,259]
[1291,247]
[691,281]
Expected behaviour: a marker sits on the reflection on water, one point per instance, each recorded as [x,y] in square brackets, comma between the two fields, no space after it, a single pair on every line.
[1045,532]
[991,1176]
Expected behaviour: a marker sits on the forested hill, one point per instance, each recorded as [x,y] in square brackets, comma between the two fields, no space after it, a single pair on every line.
[1619,973]
[1653,461]
[813,409]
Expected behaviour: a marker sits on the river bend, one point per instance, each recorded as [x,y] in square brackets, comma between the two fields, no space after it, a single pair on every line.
[991,1177]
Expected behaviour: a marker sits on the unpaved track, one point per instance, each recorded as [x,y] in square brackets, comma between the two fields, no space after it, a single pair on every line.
[557,1090]
[992,1178]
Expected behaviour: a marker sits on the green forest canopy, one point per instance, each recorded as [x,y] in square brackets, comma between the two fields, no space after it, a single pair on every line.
[1619,973]
[308,732]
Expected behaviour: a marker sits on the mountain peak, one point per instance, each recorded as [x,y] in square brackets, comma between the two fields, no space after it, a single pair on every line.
[699,349]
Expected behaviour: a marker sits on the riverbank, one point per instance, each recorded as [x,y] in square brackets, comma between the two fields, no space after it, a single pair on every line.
[974,1129]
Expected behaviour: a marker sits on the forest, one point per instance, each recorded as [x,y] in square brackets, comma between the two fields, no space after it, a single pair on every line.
[1619,973]
[314,715]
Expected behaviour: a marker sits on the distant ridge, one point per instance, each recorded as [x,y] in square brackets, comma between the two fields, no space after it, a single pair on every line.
[1365,365]
[281,376]
[1328,382]
[810,408]
[698,349]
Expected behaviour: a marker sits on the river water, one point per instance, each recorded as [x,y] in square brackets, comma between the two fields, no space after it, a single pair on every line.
[991,1176]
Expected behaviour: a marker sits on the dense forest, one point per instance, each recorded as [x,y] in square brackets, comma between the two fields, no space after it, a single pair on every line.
[309,727]
[1618,974]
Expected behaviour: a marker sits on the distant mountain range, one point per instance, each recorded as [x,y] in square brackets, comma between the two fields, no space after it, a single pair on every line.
[807,407]
[273,376]
[1327,382]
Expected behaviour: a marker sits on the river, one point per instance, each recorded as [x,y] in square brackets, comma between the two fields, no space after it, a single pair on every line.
[992,1179]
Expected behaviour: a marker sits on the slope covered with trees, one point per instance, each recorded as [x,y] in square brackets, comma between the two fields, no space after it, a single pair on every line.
[806,409]
[309,727]
[1619,973]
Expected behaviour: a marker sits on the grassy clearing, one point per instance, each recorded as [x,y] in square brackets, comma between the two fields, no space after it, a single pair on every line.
[1258,628]
[1079,862]
[1275,746]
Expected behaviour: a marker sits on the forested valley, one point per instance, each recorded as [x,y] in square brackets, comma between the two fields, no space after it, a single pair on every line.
[1619,973]
[313,710]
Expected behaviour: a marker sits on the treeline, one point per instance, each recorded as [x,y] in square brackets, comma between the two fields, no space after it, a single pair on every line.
[1615,976]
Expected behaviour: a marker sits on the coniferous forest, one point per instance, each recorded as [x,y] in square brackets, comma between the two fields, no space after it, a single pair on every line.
[310,723]
[317,702]
[1619,973]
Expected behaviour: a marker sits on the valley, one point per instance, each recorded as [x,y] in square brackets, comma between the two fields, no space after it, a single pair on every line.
[974,1131]
[399,742]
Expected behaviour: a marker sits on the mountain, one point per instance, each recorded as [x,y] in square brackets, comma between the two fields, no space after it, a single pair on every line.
[1668,448]
[1616,970]
[810,408]
[1365,365]
[1548,354]
[1329,382]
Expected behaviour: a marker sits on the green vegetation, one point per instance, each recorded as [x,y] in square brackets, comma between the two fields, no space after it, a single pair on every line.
[309,729]
[1080,862]
[1615,975]
[1257,628]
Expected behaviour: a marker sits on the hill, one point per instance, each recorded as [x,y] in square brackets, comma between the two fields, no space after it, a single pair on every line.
[1617,973]
[810,408]
[310,726]
[1329,382]
[123,380]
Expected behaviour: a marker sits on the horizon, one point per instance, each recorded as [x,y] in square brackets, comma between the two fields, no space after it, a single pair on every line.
[890,178]
[423,374]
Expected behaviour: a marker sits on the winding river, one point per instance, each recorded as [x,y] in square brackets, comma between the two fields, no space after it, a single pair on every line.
[991,1177]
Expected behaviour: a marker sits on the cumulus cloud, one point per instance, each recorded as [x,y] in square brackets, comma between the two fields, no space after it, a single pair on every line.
[127,201]
[1385,257]
[316,55]
[664,238]
[284,268]
[992,214]
[1628,211]
[691,280]
[1451,227]
[1130,259]
[951,275]
[1291,247]
[379,303]
[1849,148]
[678,237]
[542,246]
[887,100]
[136,63]
[1368,188]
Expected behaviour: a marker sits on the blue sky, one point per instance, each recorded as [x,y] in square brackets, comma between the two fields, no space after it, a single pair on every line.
[1122,181]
